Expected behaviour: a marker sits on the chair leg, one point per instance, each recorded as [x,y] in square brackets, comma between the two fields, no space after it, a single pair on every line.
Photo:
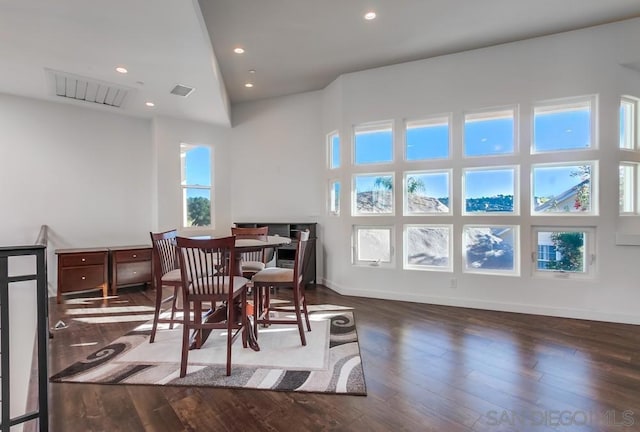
[185,341]
[296,305]
[257,308]
[173,306]
[304,308]
[245,321]
[197,315]
[156,314]
[230,323]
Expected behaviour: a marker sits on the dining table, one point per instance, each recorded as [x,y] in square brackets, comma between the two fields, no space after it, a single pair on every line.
[242,245]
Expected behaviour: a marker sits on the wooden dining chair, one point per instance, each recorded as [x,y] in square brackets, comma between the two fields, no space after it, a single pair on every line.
[273,277]
[254,261]
[166,272]
[208,267]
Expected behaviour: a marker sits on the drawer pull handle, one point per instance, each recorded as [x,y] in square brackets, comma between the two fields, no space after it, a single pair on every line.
[135,256]
[84,259]
[135,272]
[84,277]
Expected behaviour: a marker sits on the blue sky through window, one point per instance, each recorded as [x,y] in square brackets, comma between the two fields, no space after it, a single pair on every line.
[489,183]
[374,146]
[490,136]
[197,170]
[552,181]
[436,184]
[427,142]
[562,130]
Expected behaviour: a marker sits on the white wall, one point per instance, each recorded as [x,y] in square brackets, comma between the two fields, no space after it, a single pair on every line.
[572,64]
[86,174]
[275,171]
[168,134]
[269,136]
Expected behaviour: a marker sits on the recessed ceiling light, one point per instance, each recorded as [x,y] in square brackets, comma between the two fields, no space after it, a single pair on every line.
[150,104]
[248,85]
[370,15]
[121,70]
[252,71]
[238,50]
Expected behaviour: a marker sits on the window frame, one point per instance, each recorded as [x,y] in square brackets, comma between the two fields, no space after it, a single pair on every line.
[515,272]
[354,194]
[516,189]
[405,249]
[590,261]
[185,186]
[405,192]
[551,105]
[635,192]
[593,193]
[487,114]
[634,103]
[371,127]
[432,120]
[331,196]
[370,263]
[330,150]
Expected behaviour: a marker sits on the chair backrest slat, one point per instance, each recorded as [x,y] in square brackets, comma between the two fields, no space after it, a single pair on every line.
[301,255]
[164,250]
[207,265]
[258,233]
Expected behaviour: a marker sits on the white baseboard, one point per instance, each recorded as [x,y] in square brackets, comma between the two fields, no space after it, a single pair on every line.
[545,310]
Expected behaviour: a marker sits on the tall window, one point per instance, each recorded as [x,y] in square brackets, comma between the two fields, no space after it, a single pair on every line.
[334,197]
[563,125]
[629,188]
[373,143]
[489,133]
[333,143]
[195,163]
[427,139]
[628,122]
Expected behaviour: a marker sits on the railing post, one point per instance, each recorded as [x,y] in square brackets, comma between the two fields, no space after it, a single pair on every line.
[4,343]
[42,414]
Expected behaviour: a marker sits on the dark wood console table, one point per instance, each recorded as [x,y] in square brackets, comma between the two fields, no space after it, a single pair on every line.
[85,269]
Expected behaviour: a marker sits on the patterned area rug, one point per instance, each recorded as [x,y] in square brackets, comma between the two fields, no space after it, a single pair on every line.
[330,363]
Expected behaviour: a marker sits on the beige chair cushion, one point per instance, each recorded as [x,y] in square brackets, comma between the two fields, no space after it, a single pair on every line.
[273,274]
[252,266]
[172,276]
[238,283]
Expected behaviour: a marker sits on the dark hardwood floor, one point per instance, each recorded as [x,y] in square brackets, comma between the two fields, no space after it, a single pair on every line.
[427,368]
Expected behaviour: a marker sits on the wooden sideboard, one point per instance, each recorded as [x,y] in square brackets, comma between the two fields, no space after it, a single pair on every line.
[82,270]
[130,265]
[86,269]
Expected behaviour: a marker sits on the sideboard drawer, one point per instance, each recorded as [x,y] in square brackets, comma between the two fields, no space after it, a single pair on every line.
[130,265]
[82,270]
[133,255]
[133,273]
[81,259]
[82,278]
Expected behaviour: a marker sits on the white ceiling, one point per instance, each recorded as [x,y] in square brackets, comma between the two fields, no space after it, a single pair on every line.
[161,42]
[293,45]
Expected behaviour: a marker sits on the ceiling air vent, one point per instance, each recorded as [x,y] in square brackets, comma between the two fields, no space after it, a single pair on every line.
[88,89]
[182,90]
